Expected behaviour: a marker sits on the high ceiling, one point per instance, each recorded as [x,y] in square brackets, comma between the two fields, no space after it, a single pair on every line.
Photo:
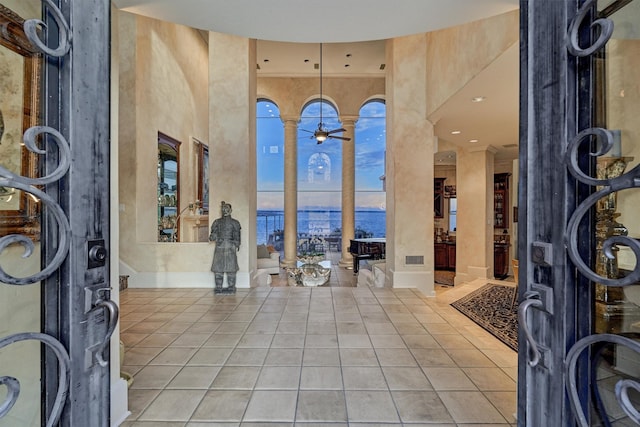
[353,33]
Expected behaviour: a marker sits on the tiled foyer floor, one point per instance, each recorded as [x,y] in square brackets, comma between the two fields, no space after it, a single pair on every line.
[337,356]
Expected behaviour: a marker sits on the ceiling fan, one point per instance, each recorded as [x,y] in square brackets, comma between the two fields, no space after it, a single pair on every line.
[322,134]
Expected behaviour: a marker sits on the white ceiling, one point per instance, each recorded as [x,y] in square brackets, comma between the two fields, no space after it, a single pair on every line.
[353,33]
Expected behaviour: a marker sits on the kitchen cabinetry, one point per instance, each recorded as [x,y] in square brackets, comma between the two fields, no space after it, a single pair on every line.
[501,200]
[438,197]
[500,260]
[444,255]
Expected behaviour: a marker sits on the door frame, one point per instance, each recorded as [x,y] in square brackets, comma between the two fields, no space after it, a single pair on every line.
[559,144]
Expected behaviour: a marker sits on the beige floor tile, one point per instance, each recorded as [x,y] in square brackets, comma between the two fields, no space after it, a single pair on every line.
[278,378]
[448,378]
[307,345]
[490,379]
[420,407]
[321,357]
[222,406]
[363,378]
[470,358]
[371,407]
[321,378]
[173,405]
[173,356]
[236,378]
[199,377]
[406,378]
[358,357]
[271,406]
[154,376]
[284,357]
[321,406]
[395,357]
[470,407]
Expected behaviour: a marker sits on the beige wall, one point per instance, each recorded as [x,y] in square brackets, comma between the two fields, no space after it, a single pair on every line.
[164,73]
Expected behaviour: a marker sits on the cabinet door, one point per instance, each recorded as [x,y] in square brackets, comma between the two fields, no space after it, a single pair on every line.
[451,257]
[440,256]
[500,265]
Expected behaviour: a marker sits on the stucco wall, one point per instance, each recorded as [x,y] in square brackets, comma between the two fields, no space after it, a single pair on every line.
[456,55]
[163,88]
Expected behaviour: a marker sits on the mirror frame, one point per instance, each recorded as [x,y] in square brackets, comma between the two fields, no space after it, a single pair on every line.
[24,220]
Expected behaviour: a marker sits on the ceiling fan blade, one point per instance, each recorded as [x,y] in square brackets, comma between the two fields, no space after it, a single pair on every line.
[304,130]
[344,138]
[337,130]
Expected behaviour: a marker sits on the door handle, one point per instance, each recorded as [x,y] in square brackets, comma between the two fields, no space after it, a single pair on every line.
[112,313]
[531,300]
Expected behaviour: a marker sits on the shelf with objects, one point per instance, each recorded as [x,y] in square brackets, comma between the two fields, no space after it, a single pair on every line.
[168,188]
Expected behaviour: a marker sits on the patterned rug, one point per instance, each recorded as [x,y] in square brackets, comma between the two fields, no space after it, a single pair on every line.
[489,307]
[444,277]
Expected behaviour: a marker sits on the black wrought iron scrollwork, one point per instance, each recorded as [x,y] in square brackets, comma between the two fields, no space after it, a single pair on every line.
[13,391]
[64,232]
[27,184]
[622,386]
[32,26]
[605,31]
[627,180]
[64,365]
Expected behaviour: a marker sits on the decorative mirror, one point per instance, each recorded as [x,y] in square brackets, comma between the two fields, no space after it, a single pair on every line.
[20,67]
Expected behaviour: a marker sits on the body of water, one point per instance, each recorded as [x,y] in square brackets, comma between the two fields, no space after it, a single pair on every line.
[320,223]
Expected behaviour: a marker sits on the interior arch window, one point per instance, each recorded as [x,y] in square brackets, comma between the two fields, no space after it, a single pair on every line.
[269,174]
[319,173]
[370,150]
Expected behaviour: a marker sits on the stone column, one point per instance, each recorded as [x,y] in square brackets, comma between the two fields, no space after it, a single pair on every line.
[348,189]
[290,191]
[474,233]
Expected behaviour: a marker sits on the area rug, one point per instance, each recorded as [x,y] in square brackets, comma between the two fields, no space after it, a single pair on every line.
[490,307]
[444,277]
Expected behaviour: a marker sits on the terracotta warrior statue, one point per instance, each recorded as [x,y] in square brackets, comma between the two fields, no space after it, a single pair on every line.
[225,232]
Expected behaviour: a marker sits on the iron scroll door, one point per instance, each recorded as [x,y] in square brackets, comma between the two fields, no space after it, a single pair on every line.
[71,142]
[562,138]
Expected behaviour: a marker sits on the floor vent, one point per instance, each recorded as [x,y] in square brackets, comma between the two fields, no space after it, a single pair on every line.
[414,260]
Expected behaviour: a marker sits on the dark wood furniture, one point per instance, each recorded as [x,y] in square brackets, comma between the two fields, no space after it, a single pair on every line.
[501,200]
[373,248]
[444,254]
[500,260]
[438,197]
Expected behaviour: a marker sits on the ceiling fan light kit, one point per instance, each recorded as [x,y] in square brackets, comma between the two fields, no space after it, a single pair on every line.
[321,134]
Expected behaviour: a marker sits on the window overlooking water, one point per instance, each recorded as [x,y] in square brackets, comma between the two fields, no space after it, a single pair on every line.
[319,173]
[370,149]
[270,173]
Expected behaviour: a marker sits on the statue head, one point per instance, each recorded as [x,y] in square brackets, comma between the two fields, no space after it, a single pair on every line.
[225,208]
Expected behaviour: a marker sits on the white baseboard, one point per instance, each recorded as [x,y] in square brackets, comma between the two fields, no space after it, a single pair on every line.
[119,402]
[181,280]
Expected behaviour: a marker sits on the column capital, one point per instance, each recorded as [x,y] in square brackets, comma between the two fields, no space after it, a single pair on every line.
[349,118]
[289,119]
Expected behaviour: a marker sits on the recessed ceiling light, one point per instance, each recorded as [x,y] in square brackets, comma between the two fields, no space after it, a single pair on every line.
[456,132]
[477,99]
[473,140]
[265,60]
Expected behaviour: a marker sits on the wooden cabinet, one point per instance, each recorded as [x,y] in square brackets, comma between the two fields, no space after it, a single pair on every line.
[451,256]
[444,255]
[440,256]
[500,260]
[501,200]
[438,197]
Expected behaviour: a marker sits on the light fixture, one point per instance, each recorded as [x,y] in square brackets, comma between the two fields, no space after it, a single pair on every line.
[473,140]
[455,132]
[322,134]
[478,99]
